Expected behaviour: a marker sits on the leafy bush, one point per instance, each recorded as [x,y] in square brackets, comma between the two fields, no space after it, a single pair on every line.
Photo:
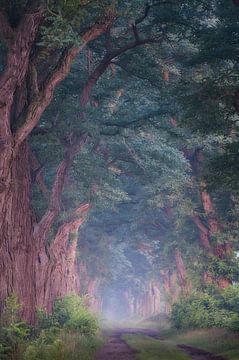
[13,331]
[71,314]
[67,333]
[204,310]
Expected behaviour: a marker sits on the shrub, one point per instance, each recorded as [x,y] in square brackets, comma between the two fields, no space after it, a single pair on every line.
[69,313]
[203,310]
[13,331]
[65,334]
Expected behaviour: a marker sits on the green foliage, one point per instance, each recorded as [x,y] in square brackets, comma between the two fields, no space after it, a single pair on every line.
[70,346]
[64,21]
[207,310]
[67,333]
[154,349]
[69,313]
[13,331]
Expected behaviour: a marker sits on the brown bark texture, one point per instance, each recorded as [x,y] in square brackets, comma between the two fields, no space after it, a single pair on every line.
[56,266]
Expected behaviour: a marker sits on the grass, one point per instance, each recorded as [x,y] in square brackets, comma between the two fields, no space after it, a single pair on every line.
[69,346]
[217,341]
[152,349]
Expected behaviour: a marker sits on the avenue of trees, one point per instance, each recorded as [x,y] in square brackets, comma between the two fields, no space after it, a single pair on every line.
[122,116]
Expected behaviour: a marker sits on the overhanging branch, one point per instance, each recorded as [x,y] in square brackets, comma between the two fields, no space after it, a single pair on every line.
[44,97]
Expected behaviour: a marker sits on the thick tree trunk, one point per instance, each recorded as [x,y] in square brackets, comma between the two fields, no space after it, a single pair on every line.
[56,265]
[184,283]
[17,251]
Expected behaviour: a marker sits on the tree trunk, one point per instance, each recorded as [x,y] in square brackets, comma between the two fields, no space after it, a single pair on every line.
[17,251]
[56,265]
[184,283]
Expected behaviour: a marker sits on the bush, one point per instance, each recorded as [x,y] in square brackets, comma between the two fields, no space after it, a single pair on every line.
[13,331]
[65,334]
[69,313]
[68,333]
[204,310]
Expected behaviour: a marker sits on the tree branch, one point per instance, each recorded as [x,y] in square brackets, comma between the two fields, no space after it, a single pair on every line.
[54,207]
[146,12]
[59,244]
[19,53]
[37,169]
[106,61]
[43,99]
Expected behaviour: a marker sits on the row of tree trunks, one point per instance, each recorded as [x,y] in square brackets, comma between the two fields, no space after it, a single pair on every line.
[145,304]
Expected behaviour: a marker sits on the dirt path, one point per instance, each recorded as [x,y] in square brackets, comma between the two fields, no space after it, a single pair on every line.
[198,354]
[117,349]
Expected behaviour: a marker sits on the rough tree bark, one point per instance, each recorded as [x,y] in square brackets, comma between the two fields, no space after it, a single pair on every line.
[57,265]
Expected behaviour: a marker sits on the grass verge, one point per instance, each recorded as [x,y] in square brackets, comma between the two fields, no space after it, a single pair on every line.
[218,341]
[152,349]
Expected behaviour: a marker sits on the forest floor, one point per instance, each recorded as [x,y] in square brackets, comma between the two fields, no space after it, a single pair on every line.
[147,344]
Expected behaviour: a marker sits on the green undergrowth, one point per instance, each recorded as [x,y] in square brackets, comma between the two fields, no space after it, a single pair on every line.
[70,332]
[211,308]
[149,348]
[218,341]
